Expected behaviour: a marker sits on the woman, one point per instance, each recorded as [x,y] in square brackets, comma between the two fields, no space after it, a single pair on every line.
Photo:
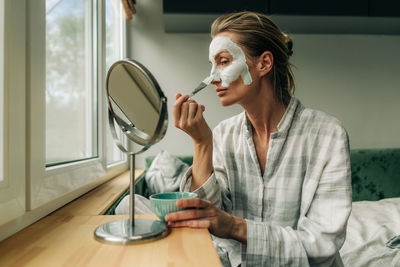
[274,181]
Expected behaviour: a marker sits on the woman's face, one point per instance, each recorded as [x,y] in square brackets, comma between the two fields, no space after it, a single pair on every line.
[236,91]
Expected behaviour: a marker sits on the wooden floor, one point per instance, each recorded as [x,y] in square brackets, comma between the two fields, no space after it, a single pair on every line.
[65,238]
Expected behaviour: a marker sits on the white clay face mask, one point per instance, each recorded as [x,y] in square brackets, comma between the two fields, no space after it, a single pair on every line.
[238,66]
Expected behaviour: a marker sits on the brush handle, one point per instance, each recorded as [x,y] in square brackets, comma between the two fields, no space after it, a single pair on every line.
[201,86]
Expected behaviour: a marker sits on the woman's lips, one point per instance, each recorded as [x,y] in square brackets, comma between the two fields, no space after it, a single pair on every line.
[220,91]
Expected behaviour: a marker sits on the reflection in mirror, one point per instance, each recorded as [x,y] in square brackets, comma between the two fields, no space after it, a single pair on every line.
[138,106]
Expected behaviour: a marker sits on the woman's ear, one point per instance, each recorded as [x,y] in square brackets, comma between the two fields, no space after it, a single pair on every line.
[265,63]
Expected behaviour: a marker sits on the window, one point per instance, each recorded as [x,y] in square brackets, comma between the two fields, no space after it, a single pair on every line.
[71,93]
[12,111]
[53,126]
[67,42]
[114,52]
[70,109]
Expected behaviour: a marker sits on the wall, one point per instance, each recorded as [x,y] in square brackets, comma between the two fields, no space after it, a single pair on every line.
[353,77]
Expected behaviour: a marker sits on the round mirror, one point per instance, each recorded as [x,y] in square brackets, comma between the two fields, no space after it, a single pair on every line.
[136,103]
[138,106]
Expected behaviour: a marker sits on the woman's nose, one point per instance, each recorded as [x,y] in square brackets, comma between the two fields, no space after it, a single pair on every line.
[214,82]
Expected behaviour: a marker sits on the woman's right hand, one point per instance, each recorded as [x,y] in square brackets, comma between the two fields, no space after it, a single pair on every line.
[188,116]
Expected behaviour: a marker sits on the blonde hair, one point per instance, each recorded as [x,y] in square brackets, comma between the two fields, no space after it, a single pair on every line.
[258,33]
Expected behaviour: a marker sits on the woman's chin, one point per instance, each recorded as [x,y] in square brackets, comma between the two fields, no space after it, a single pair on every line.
[225,101]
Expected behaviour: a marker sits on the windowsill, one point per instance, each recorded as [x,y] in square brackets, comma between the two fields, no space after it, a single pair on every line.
[98,200]
[65,237]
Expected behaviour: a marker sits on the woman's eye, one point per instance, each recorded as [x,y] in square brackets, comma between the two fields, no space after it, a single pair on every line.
[224,62]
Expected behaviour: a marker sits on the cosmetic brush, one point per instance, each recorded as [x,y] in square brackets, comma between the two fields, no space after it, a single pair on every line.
[200,87]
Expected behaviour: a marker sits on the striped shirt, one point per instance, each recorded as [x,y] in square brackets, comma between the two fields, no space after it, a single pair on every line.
[296,212]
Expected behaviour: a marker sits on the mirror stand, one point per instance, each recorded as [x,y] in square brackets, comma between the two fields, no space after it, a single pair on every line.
[138,106]
[131,230]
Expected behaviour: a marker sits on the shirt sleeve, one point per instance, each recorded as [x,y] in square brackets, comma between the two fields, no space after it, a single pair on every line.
[216,188]
[325,208]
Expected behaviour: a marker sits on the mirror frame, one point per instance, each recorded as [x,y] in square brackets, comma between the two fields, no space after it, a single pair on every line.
[135,135]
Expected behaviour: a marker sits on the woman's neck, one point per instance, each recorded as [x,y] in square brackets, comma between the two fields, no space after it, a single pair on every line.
[264,112]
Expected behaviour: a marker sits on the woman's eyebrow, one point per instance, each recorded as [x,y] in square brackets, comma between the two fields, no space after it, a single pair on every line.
[218,55]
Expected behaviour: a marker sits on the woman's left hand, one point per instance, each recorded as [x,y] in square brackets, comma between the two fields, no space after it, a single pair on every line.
[202,214]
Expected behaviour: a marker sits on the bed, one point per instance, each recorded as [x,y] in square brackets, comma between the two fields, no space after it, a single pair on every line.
[375,217]
[370,226]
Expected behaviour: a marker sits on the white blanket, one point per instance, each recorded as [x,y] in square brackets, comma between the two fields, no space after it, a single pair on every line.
[370,226]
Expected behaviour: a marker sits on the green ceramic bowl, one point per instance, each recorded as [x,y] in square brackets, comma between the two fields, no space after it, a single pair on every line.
[164,203]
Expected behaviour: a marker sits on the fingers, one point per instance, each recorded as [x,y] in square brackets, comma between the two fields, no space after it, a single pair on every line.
[178,106]
[184,110]
[191,224]
[198,209]
[190,214]
[188,116]
[193,108]
[199,111]
[189,110]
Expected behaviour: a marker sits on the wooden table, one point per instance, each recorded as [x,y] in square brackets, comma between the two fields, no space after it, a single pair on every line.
[65,238]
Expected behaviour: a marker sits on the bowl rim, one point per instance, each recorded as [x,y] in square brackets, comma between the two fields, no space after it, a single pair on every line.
[154,196]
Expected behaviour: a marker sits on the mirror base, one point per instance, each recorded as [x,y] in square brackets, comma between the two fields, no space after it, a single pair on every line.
[121,232]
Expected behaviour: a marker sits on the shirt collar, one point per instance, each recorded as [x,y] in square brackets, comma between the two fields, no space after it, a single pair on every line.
[283,125]
[286,120]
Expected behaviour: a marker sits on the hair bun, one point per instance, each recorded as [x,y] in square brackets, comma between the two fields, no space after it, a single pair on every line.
[289,44]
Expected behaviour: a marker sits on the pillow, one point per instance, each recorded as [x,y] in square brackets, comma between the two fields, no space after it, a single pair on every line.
[142,206]
[165,173]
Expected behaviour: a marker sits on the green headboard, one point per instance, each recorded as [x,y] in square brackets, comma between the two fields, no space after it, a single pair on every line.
[375,173]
